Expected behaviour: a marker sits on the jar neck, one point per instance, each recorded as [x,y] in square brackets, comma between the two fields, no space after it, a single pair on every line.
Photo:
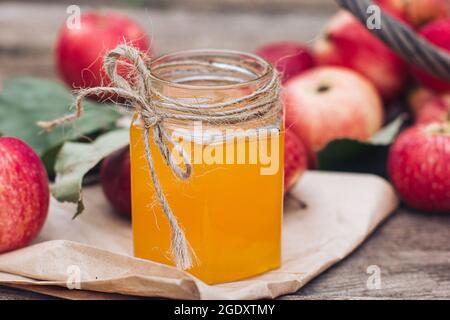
[207,78]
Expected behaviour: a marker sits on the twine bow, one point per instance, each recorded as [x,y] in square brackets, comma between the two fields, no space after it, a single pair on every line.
[154,107]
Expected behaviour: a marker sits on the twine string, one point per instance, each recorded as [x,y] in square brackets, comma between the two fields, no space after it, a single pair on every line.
[153,107]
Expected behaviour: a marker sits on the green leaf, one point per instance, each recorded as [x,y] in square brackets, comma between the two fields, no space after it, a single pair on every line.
[357,156]
[75,159]
[24,101]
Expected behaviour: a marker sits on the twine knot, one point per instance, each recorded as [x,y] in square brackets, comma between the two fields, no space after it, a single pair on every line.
[153,108]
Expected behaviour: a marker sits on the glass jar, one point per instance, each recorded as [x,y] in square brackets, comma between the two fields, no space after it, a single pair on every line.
[231,207]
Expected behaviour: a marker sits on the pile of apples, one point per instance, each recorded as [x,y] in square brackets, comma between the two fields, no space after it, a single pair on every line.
[341,87]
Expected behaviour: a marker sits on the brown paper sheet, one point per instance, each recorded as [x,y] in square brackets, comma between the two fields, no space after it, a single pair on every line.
[96,248]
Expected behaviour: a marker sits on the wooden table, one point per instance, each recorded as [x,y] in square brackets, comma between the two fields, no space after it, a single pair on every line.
[411,249]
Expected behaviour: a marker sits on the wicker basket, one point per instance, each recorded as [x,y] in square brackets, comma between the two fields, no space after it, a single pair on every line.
[402,39]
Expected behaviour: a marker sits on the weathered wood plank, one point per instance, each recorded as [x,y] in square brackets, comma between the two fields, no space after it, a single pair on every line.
[7,293]
[28,32]
[412,250]
[233,6]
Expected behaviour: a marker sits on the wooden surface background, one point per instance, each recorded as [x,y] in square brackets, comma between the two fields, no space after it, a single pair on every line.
[412,249]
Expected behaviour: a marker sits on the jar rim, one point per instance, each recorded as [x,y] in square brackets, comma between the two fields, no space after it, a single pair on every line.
[268,69]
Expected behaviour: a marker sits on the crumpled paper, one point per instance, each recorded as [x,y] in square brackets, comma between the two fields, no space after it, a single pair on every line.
[96,248]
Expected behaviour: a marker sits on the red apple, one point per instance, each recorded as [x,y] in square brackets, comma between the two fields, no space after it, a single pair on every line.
[24,194]
[115,180]
[419,166]
[438,33]
[327,103]
[346,42]
[79,52]
[289,58]
[295,159]
[435,110]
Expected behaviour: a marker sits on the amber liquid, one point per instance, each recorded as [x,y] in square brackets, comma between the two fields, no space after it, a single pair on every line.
[231,213]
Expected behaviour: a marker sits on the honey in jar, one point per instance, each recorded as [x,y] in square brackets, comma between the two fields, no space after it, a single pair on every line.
[230,208]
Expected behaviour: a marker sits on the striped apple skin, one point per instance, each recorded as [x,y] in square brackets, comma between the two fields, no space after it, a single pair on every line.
[24,194]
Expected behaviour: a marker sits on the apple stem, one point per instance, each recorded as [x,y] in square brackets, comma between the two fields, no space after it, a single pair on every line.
[323,88]
[439,128]
[300,203]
